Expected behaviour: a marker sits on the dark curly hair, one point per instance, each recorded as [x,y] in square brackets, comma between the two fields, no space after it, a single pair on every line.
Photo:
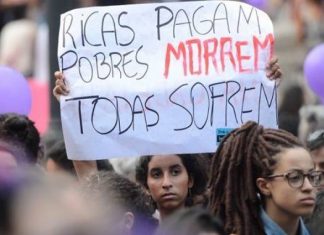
[191,221]
[128,195]
[244,155]
[57,153]
[196,166]
[19,130]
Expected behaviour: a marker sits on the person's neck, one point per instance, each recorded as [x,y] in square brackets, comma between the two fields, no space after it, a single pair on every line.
[165,212]
[288,222]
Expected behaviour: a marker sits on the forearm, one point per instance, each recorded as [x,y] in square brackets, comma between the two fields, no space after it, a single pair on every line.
[84,168]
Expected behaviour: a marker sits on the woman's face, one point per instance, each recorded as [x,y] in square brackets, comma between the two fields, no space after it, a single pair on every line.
[287,198]
[168,182]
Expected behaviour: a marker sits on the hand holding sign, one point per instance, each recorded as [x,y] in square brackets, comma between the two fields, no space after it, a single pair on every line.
[273,69]
[60,85]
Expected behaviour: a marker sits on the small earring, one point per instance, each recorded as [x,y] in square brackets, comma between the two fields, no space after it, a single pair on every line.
[189,192]
[189,200]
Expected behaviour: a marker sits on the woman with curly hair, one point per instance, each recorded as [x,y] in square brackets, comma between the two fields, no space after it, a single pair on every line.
[173,181]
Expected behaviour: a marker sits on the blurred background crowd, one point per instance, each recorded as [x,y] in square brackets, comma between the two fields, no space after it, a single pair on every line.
[28,43]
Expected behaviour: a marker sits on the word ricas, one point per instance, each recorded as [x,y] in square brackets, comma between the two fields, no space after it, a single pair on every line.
[125,113]
[109,30]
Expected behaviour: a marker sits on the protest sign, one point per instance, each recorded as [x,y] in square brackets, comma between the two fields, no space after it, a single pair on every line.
[163,78]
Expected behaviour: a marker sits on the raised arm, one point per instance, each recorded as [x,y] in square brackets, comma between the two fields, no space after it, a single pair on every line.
[82,168]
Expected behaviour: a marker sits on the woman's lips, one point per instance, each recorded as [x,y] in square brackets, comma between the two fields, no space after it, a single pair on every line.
[168,196]
[308,201]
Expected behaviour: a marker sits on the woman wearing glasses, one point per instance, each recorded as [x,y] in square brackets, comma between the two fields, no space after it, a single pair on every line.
[262,182]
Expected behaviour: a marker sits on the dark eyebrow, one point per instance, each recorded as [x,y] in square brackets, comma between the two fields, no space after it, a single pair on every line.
[300,170]
[175,166]
[155,169]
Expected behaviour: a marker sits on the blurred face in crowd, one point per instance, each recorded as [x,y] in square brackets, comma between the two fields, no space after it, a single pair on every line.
[288,193]
[318,157]
[7,161]
[54,206]
[168,182]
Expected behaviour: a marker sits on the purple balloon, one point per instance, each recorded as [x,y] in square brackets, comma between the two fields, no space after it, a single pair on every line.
[322,100]
[314,70]
[15,94]
[260,4]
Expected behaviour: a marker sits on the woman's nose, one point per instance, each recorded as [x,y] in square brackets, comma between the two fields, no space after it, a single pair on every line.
[166,182]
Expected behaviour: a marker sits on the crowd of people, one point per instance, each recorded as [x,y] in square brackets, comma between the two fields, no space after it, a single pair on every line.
[258,181]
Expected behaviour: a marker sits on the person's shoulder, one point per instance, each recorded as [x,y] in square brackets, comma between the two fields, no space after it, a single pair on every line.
[270,227]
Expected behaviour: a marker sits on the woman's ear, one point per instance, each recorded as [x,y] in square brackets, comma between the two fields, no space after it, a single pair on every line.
[263,186]
[191,182]
[128,222]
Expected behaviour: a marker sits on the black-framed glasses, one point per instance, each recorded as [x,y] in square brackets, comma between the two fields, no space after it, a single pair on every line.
[296,178]
[316,139]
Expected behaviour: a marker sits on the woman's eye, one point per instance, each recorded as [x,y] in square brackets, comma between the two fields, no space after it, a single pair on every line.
[294,177]
[155,174]
[175,172]
[316,176]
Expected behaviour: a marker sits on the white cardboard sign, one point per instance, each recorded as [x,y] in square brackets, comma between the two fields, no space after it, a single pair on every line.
[163,78]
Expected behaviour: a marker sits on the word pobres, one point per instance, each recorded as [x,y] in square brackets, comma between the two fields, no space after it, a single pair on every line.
[111,65]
